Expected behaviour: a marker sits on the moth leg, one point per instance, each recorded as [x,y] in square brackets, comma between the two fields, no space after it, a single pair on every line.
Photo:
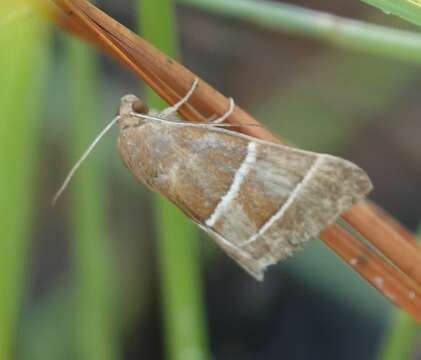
[227,114]
[173,109]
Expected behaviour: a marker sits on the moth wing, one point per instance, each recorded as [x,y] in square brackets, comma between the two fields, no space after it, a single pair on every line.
[258,200]
[242,257]
[284,197]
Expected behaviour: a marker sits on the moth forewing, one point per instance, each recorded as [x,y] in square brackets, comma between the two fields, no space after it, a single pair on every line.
[258,200]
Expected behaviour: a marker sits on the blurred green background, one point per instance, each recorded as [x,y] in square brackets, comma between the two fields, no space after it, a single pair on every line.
[115,272]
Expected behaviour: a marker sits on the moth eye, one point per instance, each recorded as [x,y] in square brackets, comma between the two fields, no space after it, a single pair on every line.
[140,107]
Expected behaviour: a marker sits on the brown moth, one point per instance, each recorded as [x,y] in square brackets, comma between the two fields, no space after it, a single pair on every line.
[258,200]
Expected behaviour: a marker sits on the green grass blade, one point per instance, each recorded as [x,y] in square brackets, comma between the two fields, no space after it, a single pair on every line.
[22,65]
[184,323]
[399,341]
[16,14]
[409,10]
[343,32]
[181,288]
[95,335]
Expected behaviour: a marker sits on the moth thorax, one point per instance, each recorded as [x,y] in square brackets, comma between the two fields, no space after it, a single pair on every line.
[147,150]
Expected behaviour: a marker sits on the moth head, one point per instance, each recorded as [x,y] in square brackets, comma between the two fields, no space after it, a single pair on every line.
[132,104]
[129,105]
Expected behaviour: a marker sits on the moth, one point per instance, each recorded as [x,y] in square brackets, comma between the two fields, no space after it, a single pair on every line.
[258,200]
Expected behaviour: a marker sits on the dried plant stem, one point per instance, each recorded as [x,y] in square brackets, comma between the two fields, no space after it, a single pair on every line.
[171,81]
[404,254]
[165,76]
[393,284]
[396,225]
[400,338]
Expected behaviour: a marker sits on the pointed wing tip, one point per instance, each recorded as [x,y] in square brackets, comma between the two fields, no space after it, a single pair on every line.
[257,274]
[362,182]
[350,175]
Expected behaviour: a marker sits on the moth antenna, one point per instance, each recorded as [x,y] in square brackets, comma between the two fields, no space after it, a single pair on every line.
[81,160]
[235,125]
[182,123]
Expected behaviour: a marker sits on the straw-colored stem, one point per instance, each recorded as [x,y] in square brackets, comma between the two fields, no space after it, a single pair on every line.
[404,254]
[399,341]
[394,285]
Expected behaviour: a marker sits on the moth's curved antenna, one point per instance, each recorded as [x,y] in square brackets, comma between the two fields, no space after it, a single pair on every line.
[206,125]
[81,160]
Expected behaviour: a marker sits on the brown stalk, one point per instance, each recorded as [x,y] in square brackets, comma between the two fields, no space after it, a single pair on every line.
[396,225]
[171,81]
[400,247]
[388,280]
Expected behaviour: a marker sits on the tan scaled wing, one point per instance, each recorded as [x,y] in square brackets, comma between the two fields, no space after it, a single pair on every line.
[281,197]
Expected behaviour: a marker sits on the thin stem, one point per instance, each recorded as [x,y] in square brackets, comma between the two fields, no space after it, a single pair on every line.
[399,341]
[22,68]
[404,254]
[408,10]
[340,31]
[17,14]
[394,285]
[181,288]
[93,326]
